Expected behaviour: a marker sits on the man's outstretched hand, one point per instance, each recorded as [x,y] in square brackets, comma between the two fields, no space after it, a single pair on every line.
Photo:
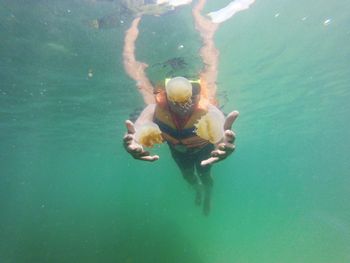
[226,147]
[131,146]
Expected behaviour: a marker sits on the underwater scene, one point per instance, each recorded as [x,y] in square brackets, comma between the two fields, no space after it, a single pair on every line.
[72,73]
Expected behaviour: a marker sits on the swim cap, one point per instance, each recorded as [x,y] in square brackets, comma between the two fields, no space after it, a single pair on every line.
[179,89]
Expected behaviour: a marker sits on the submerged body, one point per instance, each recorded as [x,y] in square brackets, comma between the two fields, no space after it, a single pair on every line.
[197,133]
[178,123]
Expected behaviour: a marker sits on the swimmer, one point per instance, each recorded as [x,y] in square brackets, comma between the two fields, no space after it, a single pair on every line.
[183,113]
[177,114]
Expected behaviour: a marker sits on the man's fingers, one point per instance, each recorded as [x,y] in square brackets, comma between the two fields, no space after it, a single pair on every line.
[231,117]
[217,152]
[226,147]
[130,126]
[135,148]
[128,138]
[138,153]
[230,136]
[149,158]
[209,161]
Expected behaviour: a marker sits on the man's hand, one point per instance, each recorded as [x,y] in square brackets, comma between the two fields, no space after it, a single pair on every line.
[226,147]
[135,149]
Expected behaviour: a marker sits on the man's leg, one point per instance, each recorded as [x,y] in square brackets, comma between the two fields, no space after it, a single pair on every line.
[186,165]
[208,183]
[192,179]
[205,177]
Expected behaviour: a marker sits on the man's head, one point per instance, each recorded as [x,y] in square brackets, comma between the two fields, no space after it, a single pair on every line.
[180,95]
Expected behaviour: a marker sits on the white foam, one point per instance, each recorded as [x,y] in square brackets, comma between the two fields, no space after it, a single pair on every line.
[228,11]
[174,3]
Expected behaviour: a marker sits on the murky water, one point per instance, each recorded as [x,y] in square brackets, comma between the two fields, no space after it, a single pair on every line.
[69,192]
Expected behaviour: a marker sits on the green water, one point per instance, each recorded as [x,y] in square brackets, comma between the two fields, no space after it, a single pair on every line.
[69,192]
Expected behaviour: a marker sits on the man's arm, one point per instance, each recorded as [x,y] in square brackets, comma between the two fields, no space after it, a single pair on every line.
[130,144]
[146,115]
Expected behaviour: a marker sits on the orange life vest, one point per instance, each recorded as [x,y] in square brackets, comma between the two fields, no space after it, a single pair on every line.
[178,132]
